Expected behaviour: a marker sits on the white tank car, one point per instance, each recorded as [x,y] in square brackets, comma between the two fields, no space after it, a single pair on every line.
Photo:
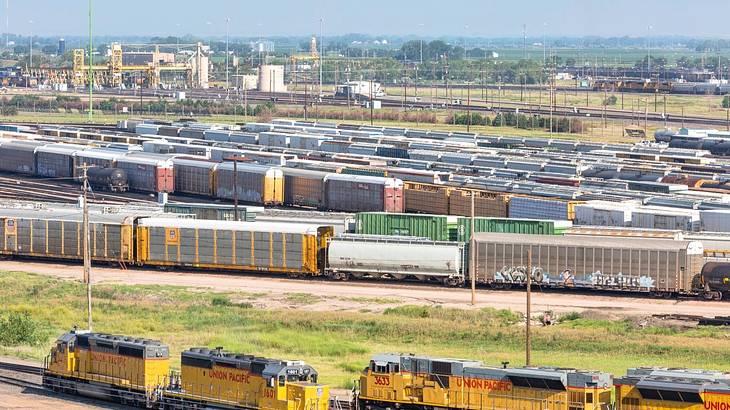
[395,257]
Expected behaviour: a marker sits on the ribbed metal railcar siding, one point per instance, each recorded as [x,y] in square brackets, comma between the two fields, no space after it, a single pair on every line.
[355,196]
[625,260]
[251,184]
[54,165]
[17,158]
[141,177]
[232,250]
[194,178]
[303,188]
[487,204]
[64,239]
[426,198]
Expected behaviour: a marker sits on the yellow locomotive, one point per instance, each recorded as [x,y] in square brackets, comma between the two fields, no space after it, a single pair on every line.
[218,378]
[119,368]
[420,382]
[661,388]
[137,372]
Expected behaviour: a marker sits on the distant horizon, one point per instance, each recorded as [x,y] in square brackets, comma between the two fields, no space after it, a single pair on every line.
[700,19]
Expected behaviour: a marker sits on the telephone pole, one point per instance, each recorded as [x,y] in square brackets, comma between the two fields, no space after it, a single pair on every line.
[528,335]
[91,74]
[472,256]
[87,256]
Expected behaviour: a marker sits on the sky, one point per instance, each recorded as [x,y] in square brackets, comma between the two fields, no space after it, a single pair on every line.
[428,18]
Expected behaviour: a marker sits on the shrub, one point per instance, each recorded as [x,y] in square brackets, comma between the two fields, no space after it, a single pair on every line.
[726,101]
[20,328]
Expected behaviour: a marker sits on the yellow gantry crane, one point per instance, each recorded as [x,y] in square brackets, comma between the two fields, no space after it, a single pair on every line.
[111,74]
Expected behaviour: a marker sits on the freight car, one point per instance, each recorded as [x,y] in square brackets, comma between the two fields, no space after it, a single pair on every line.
[261,184]
[354,193]
[658,266]
[108,179]
[398,258]
[422,382]
[715,280]
[297,250]
[59,235]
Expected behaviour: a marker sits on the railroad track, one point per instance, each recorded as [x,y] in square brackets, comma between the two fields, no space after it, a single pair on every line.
[22,188]
[20,378]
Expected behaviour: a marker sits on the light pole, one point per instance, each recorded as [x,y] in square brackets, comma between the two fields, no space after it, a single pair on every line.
[30,57]
[228,21]
[321,54]
[648,51]
[91,64]
[544,43]
[420,25]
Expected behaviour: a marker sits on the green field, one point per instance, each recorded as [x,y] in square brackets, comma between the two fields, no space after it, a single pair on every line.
[338,343]
[612,133]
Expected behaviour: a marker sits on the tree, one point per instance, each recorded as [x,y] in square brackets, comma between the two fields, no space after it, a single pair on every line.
[610,100]
[726,101]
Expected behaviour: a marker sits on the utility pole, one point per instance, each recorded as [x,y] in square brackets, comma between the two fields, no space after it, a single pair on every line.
[235,188]
[228,21]
[528,335]
[468,108]
[91,71]
[321,53]
[87,256]
[372,103]
[472,256]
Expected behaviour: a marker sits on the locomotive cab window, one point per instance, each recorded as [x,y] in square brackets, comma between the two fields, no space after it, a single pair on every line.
[394,368]
[380,367]
[589,398]
[282,379]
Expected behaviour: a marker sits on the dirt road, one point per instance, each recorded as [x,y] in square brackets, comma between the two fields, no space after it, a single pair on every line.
[334,294]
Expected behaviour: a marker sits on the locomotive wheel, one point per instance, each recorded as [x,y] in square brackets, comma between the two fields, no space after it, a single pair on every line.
[453,282]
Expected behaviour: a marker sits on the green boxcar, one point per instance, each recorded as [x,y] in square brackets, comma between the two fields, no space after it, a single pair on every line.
[450,228]
[434,227]
[506,225]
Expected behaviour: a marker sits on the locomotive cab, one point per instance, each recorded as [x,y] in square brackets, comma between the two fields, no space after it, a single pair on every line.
[62,358]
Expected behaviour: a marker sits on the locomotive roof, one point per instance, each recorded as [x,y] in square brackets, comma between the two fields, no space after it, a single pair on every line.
[598,242]
[123,345]
[535,377]
[668,381]
[257,365]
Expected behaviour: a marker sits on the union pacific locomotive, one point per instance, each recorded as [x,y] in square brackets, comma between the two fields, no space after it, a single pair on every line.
[137,372]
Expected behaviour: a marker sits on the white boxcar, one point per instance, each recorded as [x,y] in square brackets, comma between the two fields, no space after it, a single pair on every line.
[395,257]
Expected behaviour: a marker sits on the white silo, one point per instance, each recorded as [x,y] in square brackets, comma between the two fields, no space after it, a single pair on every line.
[271,79]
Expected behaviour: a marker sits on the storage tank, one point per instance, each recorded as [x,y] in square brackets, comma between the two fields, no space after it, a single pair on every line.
[271,79]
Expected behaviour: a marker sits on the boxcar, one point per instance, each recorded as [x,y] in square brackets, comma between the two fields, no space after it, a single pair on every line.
[490,204]
[261,184]
[304,187]
[18,156]
[248,246]
[59,235]
[426,198]
[57,160]
[148,172]
[649,265]
[195,176]
[355,193]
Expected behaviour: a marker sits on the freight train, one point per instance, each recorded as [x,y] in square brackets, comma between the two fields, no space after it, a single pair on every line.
[661,267]
[136,371]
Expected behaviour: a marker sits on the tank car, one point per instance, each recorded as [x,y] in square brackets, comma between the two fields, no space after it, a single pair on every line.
[111,179]
[715,280]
